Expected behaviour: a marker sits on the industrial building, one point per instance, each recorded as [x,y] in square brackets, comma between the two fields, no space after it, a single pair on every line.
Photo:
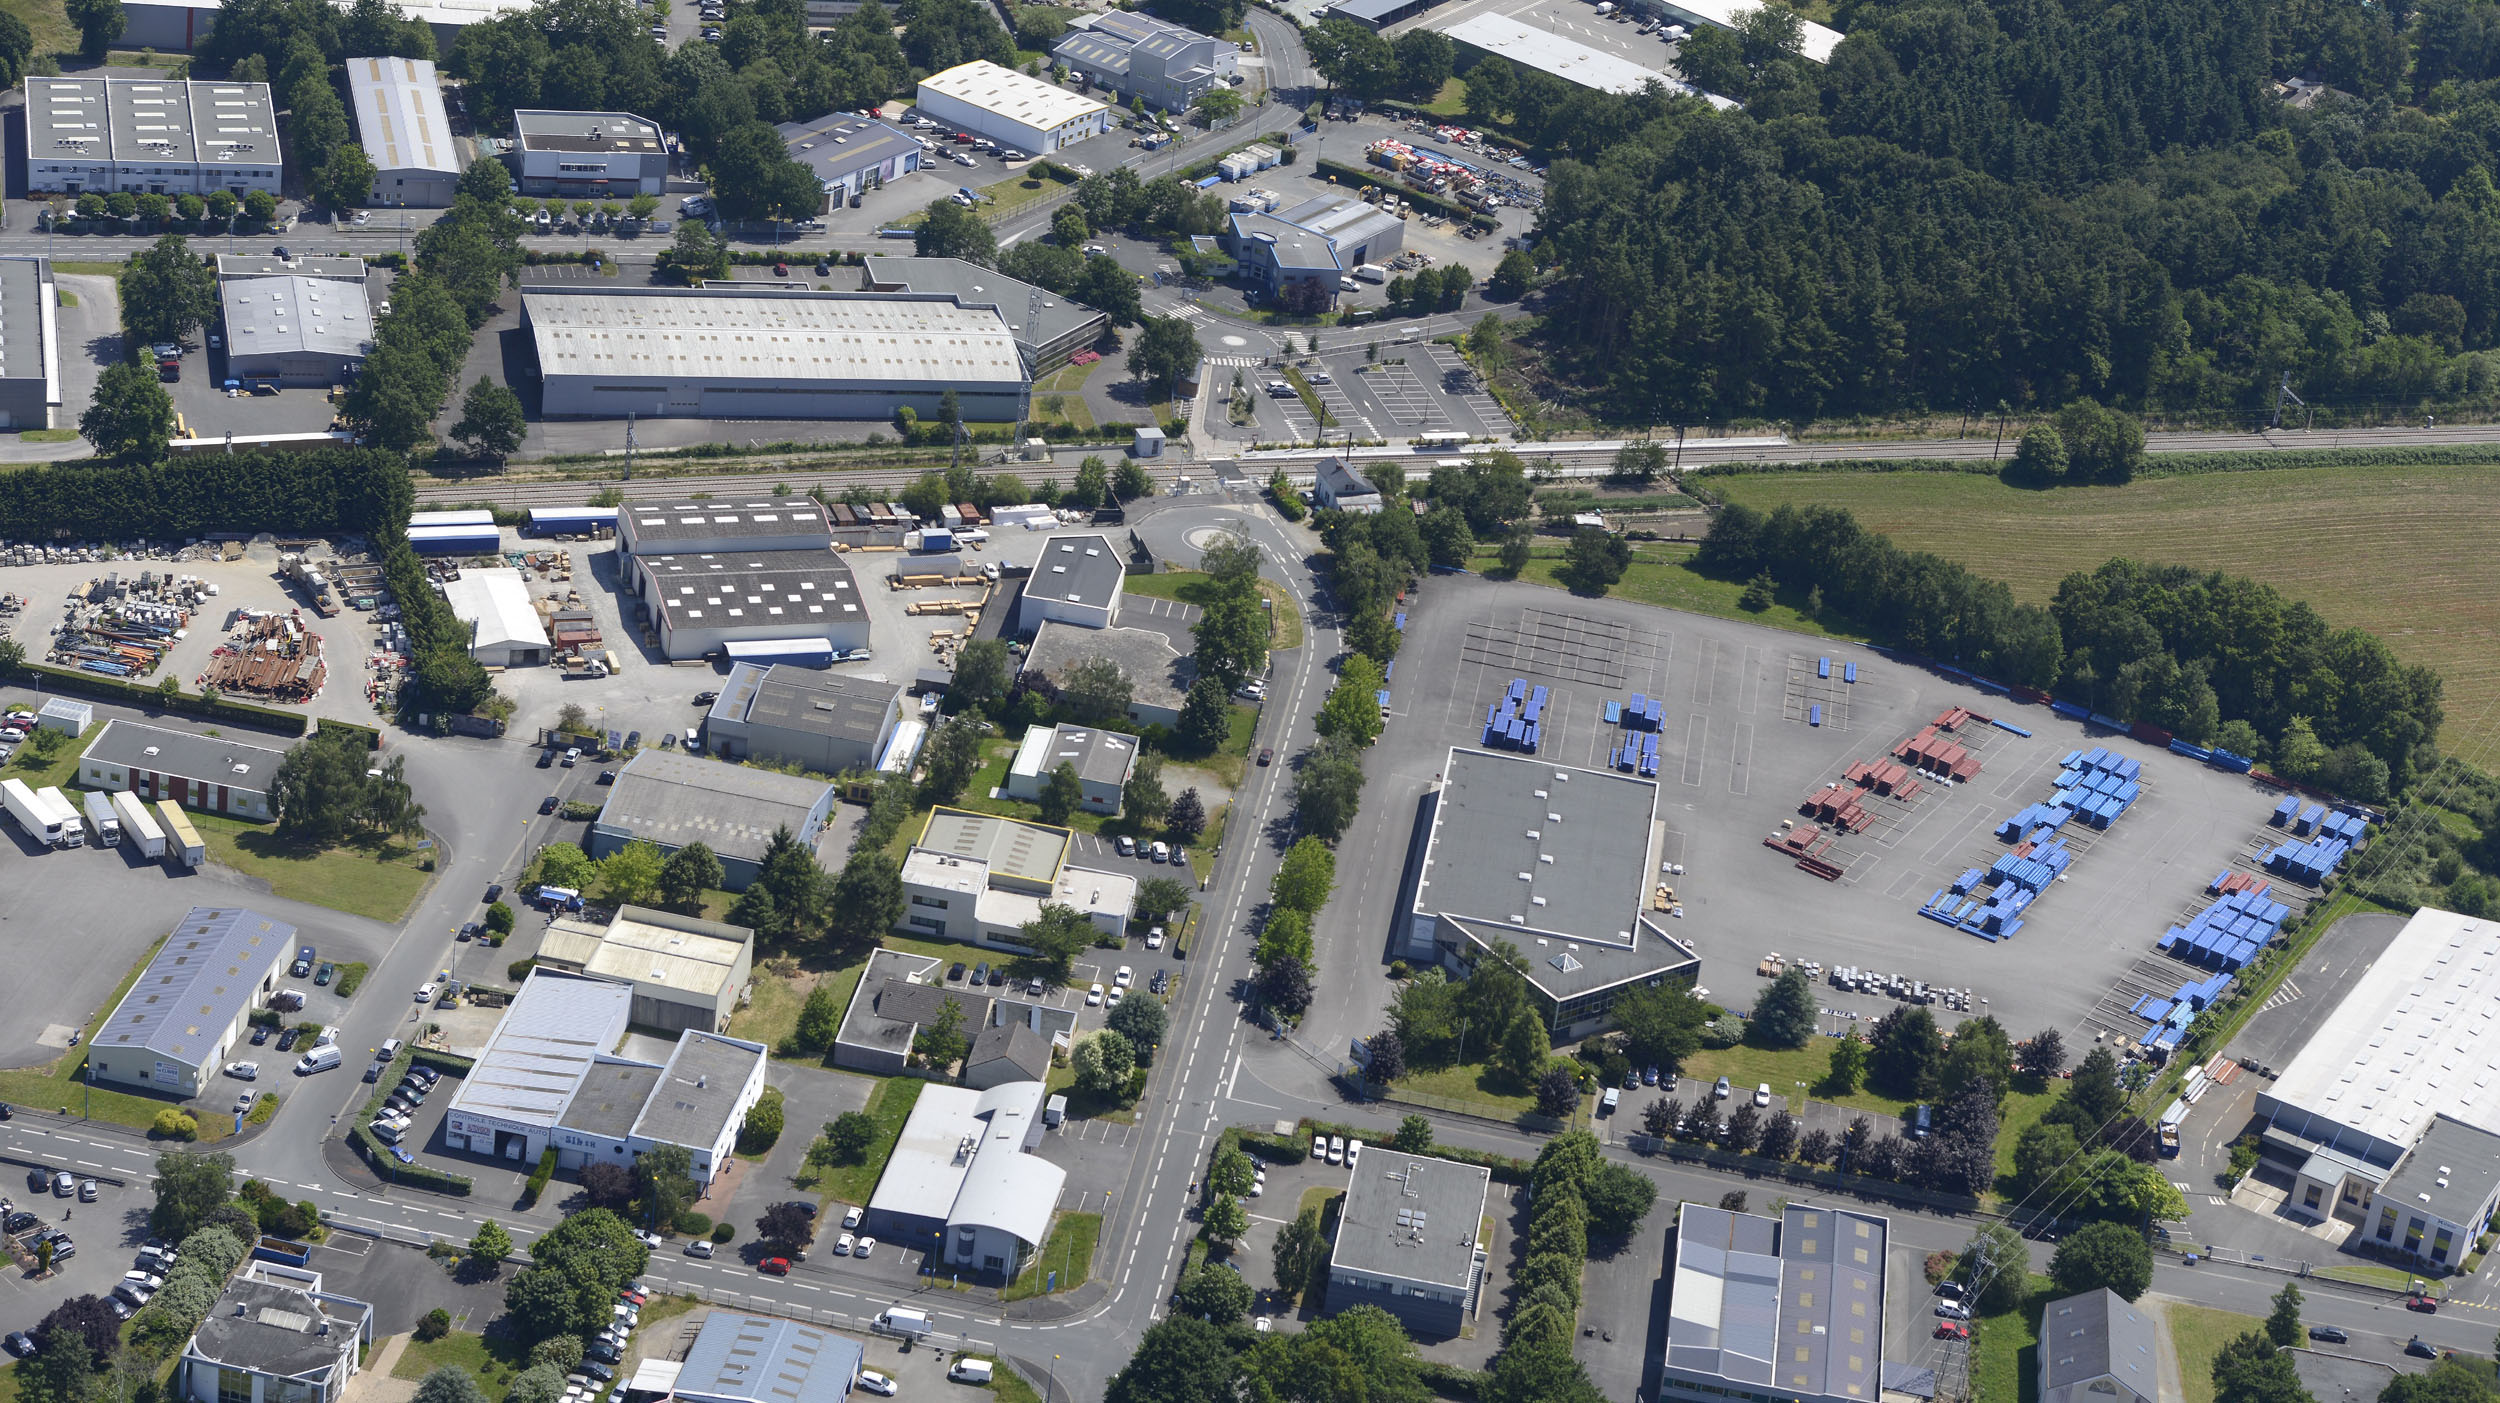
[829,722]
[901,992]
[1526,46]
[2096,1348]
[1816,40]
[1020,113]
[1137,55]
[981,878]
[1297,255]
[1159,675]
[1339,487]
[587,155]
[2389,1117]
[1076,581]
[30,344]
[1411,1240]
[850,154]
[504,628]
[755,1359]
[1048,328]
[335,267]
[661,526]
[753,605]
[307,332]
[160,136]
[189,1007]
[1102,759]
[753,352]
[167,26]
[684,972]
[206,774]
[964,1174]
[1377,15]
[669,800]
[400,119]
[1554,861]
[1790,1307]
[471,532]
[275,1336]
[551,1076]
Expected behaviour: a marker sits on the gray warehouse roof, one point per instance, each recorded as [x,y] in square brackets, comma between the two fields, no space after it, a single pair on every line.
[654,335]
[839,704]
[541,130]
[2091,1336]
[611,1097]
[1292,246]
[29,345]
[659,522]
[675,799]
[309,265]
[551,1036]
[1079,569]
[1100,756]
[216,759]
[838,145]
[750,1359]
[1054,318]
[1018,1043]
[278,316]
[1564,849]
[277,1328]
[698,1090]
[754,588]
[1412,1217]
[1158,673]
[1795,1303]
[399,115]
[1010,846]
[2451,1171]
[198,984]
[135,119]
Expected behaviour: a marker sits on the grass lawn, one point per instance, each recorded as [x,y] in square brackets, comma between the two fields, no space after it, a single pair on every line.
[39,772]
[350,978]
[890,1105]
[2004,1358]
[491,1362]
[375,879]
[110,268]
[773,1014]
[2307,531]
[1004,197]
[1660,575]
[2197,1335]
[660,1308]
[1471,1087]
[1085,1105]
[1190,587]
[2392,1278]
[2022,1111]
[1069,1251]
[1318,1196]
[1748,1067]
[48,436]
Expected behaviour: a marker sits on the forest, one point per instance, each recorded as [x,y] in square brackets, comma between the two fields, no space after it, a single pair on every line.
[2029,202]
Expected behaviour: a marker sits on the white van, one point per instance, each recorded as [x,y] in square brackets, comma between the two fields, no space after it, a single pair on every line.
[902,1320]
[320,1059]
[970,1371]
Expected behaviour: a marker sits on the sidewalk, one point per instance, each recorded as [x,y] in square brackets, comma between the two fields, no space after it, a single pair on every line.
[374,1384]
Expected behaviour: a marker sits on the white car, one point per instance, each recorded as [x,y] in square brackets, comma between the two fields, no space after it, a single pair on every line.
[842,1245]
[145,1281]
[851,1219]
[425,992]
[1093,997]
[1154,938]
[1336,1149]
[1762,1094]
[647,1238]
[243,1071]
[876,1383]
[1124,977]
[866,1246]
[1353,1152]
[1113,1000]
[243,1103]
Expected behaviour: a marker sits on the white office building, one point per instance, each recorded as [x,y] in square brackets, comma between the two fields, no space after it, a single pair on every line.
[964,1173]
[1076,581]
[1135,54]
[1025,114]
[981,878]
[587,155]
[158,136]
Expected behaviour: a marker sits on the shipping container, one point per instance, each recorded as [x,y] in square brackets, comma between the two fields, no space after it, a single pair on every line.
[139,827]
[182,842]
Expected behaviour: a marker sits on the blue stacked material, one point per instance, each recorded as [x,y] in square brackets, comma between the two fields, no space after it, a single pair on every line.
[2193,752]
[2152,1007]
[1389,670]
[1814,714]
[2226,935]
[2238,764]
[2285,812]
[1823,668]
[1969,879]
[1614,713]
[2311,863]
[1642,713]
[1510,723]
[2070,709]
[1657,713]
[1518,690]
[2307,823]
[1401,621]
[1649,756]
[1849,673]
[2001,725]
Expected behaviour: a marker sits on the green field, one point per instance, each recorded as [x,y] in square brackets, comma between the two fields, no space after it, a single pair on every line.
[2004,1356]
[2197,1335]
[491,1362]
[1069,1251]
[1190,586]
[376,879]
[58,1082]
[1659,575]
[891,1105]
[2392,550]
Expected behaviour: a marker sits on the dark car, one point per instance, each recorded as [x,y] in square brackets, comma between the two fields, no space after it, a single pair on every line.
[981,972]
[546,758]
[2330,1334]
[287,1039]
[1267,754]
[607,776]
[323,975]
[260,1036]
[603,1354]
[373,1072]
[425,1074]
[706,698]
[597,1370]
[19,1221]
[39,1179]
[303,963]
[823,268]
[2420,1350]
[20,1344]
[494,892]
[998,974]
[956,974]
[633,740]
[548,804]
[280,252]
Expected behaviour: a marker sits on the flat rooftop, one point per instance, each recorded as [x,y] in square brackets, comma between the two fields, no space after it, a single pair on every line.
[197,985]
[138,119]
[754,1359]
[1567,59]
[754,589]
[611,1096]
[839,704]
[651,947]
[29,333]
[1541,847]
[1158,673]
[1100,756]
[217,759]
[307,265]
[675,799]
[1412,1217]
[1034,321]
[296,315]
[1009,94]
[654,335]
[555,1030]
[658,521]
[399,115]
[1794,1303]
[698,1090]
[839,144]
[1085,570]
[540,129]
[2452,1172]
[1032,852]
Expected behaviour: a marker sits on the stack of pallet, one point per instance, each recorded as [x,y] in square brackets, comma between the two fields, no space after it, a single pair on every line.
[1932,750]
[1516,721]
[1837,805]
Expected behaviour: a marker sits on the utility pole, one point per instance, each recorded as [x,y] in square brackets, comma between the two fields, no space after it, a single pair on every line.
[2283,392]
[629,445]
[2004,412]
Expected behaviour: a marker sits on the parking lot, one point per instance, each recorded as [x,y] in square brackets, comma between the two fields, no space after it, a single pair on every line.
[1618,34]
[1379,390]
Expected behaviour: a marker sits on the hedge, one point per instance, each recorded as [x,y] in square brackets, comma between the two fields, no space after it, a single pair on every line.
[537,1185]
[1450,1381]
[146,697]
[1504,1168]
[371,735]
[417,1175]
[450,1064]
[330,491]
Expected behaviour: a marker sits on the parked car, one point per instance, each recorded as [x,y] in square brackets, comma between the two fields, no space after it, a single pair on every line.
[425,994]
[866,1246]
[1721,1090]
[842,1245]
[2420,1350]
[2329,1334]
[851,1218]
[701,1247]
[86,1191]
[1267,754]
[63,1184]
[1952,1330]
[955,975]
[876,1383]
[19,1343]
[1952,1310]
[1762,1094]
[775,1266]
[323,975]
[1093,997]
[288,1038]
[260,1036]
[243,1071]
[303,962]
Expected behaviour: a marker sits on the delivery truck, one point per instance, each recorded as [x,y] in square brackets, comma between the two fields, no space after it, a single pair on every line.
[138,825]
[102,820]
[905,1321]
[73,829]
[33,817]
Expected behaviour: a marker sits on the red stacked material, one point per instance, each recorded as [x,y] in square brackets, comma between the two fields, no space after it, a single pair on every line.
[1861,774]
[1888,777]
[1907,789]
[2239,882]
[1951,718]
[1799,841]
[1836,804]
[1828,871]
[1930,751]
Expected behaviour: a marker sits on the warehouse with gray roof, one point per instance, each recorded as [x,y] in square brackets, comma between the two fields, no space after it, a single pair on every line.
[1411,1240]
[751,353]
[828,722]
[160,136]
[400,118]
[30,344]
[669,800]
[296,331]
[1048,327]
[1789,1307]
[188,1008]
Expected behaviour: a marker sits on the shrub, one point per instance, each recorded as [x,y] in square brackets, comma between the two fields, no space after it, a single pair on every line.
[692,1224]
[722,1232]
[172,1124]
[537,1184]
[762,1127]
[435,1324]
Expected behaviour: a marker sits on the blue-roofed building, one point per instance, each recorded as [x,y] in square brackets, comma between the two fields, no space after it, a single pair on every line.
[1789,1307]
[757,1359]
[1297,255]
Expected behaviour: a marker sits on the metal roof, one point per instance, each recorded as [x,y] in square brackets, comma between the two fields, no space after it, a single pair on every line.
[752,1359]
[1290,245]
[281,316]
[653,335]
[399,115]
[1035,322]
[698,1090]
[1794,1304]
[1819,40]
[1004,1187]
[753,589]
[29,331]
[1003,92]
[840,704]
[661,520]
[1099,54]
[2452,1171]
[495,603]
[1539,847]
[556,1028]
[2097,1336]
[166,119]
[1100,756]
[197,985]
[207,759]
[1567,59]
[675,799]
[842,144]
[1010,847]
[540,129]
[1412,1218]
[310,265]
[643,946]
[1085,570]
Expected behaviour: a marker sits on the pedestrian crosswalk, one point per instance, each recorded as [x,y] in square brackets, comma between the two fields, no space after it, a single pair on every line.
[2287,994]
[1236,361]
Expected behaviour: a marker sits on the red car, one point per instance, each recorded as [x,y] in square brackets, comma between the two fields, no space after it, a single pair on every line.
[635,1298]
[776,1266]
[2428,1305]
[963,138]
[1267,754]
[781,270]
[1952,1330]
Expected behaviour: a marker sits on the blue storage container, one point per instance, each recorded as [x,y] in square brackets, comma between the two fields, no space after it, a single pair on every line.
[1849,673]
[1823,668]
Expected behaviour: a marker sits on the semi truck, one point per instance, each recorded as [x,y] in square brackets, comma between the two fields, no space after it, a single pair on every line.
[102,818]
[32,816]
[73,829]
[137,824]
[182,841]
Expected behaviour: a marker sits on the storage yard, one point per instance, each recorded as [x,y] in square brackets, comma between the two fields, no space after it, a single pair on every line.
[1982,856]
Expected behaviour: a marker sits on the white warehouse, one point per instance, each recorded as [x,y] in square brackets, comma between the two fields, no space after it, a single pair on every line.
[1009,108]
[158,136]
[400,118]
[504,630]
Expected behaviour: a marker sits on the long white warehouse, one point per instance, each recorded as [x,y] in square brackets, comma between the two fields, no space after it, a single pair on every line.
[749,354]
[159,136]
[400,119]
[1009,108]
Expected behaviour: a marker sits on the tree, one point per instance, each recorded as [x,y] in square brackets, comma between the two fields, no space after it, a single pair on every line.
[1784,1015]
[1305,878]
[1352,711]
[608,1186]
[1231,633]
[99,23]
[695,255]
[1908,1053]
[1618,1198]
[539,1383]
[850,1135]
[786,1226]
[188,1188]
[1286,933]
[1594,561]
[867,898]
[260,206]
[1300,1249]
[761,1130]
[1206,716]
[1056,936]
[167,292]
[981,671]
[1142,798]
[1103,1064]
[130,417]
[1992,1266]
[1186,819]
[1062,794]
[1129,481]
[1414,1135]
[1779,1136]
[1848,1067]
[2102,444]
[1661,1117]
[491,1244]
[449,1384]
[1661,1025]
[491,423]
[1096,690]
[631,875]
[2040,455]
[2043,1155]
[2093,1098]
[1181,1359]
[688,873]
[1510,277]
[82,1324]
[1387,1058]
[1159,897]
[2043,1057]
[345,181]
[1220,105]
[2283,1322]
[950,230]
[1557,1092]
[1285,986]
[819,1019]
[952,755]
[1143,1021]
[564,865]
[1166,353]
[1329,788]
[664,1182]
[2249,1369]
[1226,1221]
[1214,1293]
[1816,1147]
[2095,1255]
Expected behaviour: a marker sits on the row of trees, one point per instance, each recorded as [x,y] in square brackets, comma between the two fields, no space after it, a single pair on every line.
[1187,1357]
[329,491]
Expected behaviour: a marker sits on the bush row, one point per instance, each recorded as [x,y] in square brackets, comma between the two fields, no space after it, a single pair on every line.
[1504,1168]
[423,1176]
[450,1064]
[537,1184]
[190,1292]
[330,491]
[370,735]
[139,694]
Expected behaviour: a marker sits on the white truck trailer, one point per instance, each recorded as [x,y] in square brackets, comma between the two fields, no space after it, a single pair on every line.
[102,821]
[73,828]
[138,825]
[33,816]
